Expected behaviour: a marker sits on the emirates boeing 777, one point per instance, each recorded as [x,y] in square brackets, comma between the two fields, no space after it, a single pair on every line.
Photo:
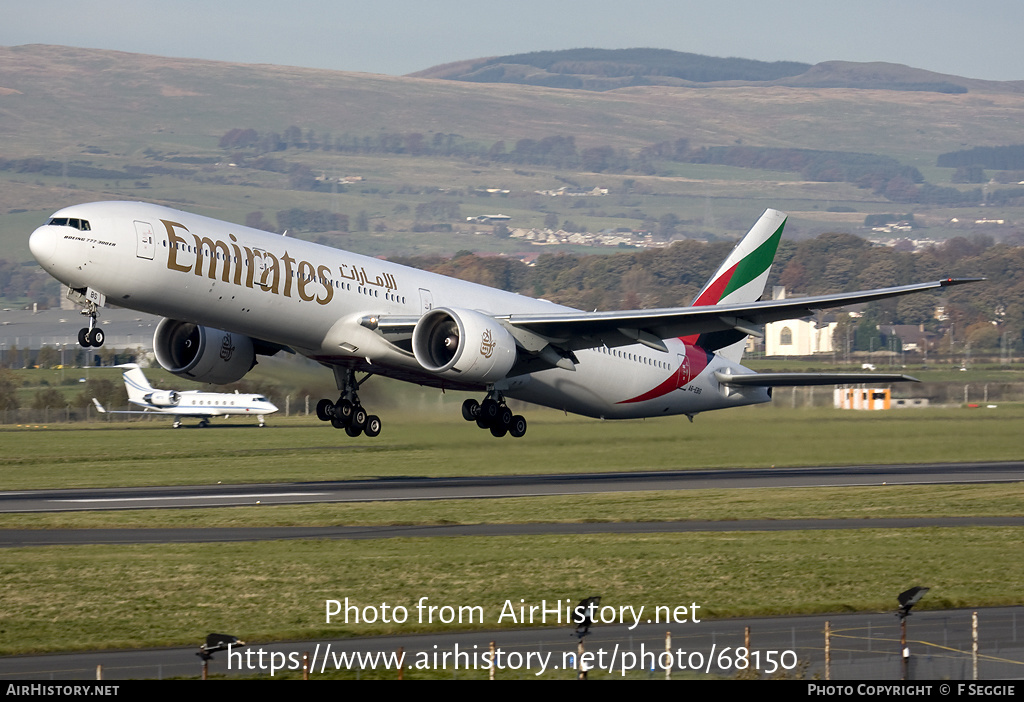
[229,293]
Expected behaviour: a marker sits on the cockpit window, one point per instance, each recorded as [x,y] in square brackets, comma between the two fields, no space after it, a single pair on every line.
[74,223]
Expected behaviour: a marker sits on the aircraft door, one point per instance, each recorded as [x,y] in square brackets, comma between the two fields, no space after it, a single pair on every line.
[426,301]
[145,240]
[683,372]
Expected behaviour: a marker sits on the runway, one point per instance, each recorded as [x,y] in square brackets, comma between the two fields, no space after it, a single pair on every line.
[391,489]
[13,538]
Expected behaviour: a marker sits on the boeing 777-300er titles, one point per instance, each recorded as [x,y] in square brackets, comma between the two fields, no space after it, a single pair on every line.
[187,403]
[229,293]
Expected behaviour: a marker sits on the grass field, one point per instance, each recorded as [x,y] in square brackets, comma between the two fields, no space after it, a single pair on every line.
[438,442]
[62,598]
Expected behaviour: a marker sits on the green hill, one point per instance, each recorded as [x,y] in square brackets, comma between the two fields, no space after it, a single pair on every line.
[609,69]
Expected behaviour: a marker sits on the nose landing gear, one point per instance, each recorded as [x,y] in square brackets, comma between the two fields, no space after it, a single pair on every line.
[91,335]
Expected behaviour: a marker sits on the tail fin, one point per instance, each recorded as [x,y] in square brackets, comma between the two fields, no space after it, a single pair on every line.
[741,278]
[135,383]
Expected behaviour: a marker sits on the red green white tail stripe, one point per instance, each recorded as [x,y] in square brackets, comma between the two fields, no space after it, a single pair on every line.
[743,275]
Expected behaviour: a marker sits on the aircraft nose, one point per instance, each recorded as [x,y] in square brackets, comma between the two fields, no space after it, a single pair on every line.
[43,244]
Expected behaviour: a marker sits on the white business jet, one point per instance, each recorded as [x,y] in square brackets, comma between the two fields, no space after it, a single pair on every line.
[230,293]
[187,403]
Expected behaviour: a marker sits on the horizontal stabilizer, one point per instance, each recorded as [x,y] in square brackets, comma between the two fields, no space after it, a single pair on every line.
[802,379]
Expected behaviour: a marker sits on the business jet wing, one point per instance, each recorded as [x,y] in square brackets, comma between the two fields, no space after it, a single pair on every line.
[103,410]
[579,330]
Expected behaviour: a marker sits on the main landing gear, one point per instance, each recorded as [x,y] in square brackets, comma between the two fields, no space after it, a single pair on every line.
[495,415]
[347,413]
[91,335]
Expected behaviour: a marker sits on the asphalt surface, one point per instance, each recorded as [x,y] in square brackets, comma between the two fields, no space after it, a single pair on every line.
[500,486]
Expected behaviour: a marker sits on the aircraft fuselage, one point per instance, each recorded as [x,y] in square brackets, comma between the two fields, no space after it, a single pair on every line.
[314,299]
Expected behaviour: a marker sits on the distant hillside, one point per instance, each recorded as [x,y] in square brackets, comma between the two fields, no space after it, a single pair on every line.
[606,69]
[609,69]
[401,163]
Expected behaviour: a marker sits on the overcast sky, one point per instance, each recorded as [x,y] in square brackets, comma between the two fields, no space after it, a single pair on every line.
[972,38]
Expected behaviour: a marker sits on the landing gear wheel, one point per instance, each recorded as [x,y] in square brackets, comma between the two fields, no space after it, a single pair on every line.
[504,418]
[518,426]
[204,423]
[495,415]
[96,337]
[324,410]
[359,417]
[347,413]
[83,338]
[489,411]
[343,410]
[373,426]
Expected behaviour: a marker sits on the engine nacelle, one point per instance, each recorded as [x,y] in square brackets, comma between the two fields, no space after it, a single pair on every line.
[463,345]
[162,398]
[203,354]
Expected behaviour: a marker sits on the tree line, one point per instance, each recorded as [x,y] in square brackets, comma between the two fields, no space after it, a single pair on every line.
[883,175]
[671,277]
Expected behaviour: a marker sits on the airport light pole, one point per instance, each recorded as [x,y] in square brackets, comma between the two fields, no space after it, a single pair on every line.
[907,599]
[584,616]
[214,643]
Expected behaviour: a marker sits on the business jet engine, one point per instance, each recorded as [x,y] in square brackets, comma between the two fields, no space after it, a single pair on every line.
[463,345]
[162,398]
[204,354]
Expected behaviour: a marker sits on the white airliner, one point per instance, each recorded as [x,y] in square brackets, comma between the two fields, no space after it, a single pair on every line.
[229,293]
[187,403]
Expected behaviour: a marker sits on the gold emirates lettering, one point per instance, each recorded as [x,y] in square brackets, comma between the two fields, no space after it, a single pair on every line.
[264,269]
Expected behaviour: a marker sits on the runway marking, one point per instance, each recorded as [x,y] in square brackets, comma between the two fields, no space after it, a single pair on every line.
[193,497]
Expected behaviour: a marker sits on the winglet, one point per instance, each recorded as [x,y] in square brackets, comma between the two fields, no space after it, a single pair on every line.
[99,407]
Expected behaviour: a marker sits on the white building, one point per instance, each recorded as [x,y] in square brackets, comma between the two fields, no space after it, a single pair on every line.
[797,337]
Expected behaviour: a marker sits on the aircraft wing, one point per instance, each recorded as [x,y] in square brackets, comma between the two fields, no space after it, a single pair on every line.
[579,330]
[168,411]
[103,410]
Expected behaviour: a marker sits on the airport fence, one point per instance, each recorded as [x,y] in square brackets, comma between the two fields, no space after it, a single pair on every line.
[67,415]
[949,394]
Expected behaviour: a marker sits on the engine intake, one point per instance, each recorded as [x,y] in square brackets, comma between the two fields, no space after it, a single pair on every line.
[162,398]
[464,345]
[204,354]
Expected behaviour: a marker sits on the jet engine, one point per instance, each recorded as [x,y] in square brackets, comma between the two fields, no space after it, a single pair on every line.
[203,354]
[162,398]
[464,345]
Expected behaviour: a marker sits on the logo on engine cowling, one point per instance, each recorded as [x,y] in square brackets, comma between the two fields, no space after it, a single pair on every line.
[226,349]
[487,344]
